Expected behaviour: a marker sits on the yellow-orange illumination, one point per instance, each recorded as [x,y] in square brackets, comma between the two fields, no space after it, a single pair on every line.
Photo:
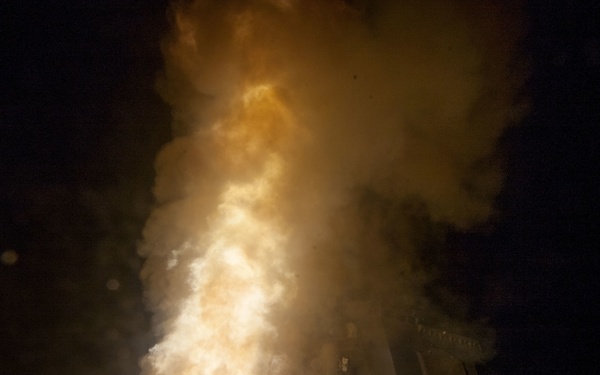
[239,273]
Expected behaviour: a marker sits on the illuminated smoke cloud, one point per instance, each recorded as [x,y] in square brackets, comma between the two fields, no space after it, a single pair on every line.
[307,135]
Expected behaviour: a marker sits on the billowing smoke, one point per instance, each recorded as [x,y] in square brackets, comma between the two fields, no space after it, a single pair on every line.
[310,140]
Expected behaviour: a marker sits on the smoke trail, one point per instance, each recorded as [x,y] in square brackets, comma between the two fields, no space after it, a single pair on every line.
[308,136]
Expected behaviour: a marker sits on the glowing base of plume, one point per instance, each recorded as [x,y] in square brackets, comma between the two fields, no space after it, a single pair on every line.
[237,272]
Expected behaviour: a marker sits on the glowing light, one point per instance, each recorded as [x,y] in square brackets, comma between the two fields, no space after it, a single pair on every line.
[9,257]
[238,272]
[113,284]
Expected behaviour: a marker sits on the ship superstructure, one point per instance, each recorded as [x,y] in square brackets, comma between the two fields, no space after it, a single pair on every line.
[368,340]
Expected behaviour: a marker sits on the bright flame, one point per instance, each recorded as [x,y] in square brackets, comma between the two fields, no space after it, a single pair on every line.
[239,272]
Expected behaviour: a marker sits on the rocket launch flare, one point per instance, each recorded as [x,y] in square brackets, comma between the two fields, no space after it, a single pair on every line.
[282,109]
[237,267]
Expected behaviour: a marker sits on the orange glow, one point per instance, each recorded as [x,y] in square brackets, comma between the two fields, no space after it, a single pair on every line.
[308,135]
[222,326]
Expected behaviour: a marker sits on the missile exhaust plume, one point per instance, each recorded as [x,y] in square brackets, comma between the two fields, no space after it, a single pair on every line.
[307,137]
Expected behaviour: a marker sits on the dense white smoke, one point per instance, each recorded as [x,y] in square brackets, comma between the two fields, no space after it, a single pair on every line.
[307,133]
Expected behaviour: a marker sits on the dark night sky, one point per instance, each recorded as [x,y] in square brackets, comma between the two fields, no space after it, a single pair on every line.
[80,125]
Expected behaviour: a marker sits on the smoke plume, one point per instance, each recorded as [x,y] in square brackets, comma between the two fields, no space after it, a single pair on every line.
[310,139]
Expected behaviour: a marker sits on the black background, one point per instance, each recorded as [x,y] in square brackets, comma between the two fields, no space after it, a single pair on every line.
[80,126]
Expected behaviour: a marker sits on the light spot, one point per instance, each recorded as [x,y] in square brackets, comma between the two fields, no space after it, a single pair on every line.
[9,257]
[112,284]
